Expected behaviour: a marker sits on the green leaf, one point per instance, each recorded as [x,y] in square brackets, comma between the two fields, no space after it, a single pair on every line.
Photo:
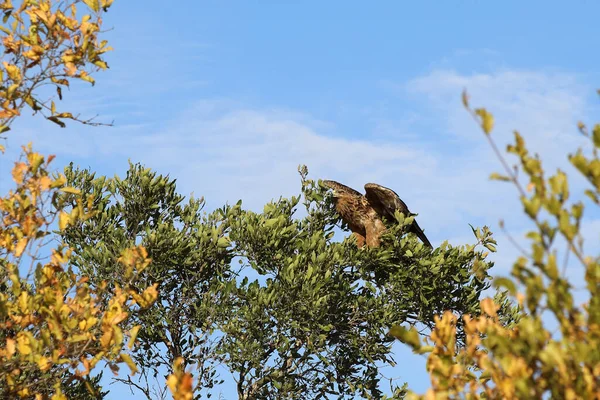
[223,242]
[408,336]
[506,283]
[72,190]
[498,177]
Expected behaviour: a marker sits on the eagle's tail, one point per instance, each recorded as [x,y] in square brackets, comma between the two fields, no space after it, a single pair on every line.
[416,229]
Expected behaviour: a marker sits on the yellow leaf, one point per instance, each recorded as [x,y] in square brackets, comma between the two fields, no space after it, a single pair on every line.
[58,182]
[44,363]
[59,395]
[24,344]
[127,359]
[180,382]
[78,338]
[133,333]
[24,303]
[63,220]
[13,71]
[489,307]
[65,115]
[45,182]
[101,64]
[11,90]
[20,247]
[35,160]
[70,68]
[596,135]
[10,348]
[106,3]
[72,190]
[91,321]
[106,338]
[86,77]
[172,383]
[498,177]
[93,4]
[487,120]
[150,295]
[31,102]
[407,336]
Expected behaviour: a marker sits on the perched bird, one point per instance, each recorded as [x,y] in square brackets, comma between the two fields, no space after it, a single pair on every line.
[364,214]
[354,208]
[385,201]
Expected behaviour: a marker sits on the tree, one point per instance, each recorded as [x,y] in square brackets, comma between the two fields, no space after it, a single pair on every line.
[47,43]
[529,359]
[189,253]
[314,322]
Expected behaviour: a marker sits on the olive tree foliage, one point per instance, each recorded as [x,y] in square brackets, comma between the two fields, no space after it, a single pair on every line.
[189,252]
[288,309]
[316,323]
[553,351]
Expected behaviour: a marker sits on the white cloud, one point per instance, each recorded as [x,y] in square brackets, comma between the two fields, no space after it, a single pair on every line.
[226,151]
[253,154]
[544,106]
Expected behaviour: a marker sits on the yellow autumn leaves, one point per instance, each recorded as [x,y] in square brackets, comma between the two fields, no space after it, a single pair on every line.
[180,383]
[528,359]
[47,42]
[50,317]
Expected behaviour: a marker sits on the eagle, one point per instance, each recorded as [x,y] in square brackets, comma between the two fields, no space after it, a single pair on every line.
[364,214]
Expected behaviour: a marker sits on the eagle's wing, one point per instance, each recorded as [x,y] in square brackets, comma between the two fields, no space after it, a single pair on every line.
[340,188]
[386,202]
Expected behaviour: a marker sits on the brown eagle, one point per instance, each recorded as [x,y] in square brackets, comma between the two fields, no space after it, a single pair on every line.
[364,214]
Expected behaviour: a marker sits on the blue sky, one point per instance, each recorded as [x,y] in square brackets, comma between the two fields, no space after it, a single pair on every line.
[229,97]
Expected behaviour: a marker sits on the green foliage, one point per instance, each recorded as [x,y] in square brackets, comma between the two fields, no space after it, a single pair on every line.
[290,311]
[84,389]
[316,323]
[189,252]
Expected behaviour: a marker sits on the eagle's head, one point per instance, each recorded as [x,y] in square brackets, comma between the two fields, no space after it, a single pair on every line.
[339,190]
